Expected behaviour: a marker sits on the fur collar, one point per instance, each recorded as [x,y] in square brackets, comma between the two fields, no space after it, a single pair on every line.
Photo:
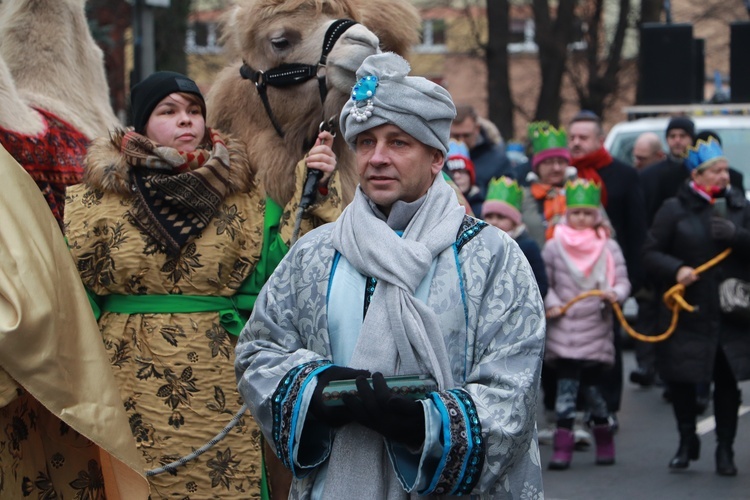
[107,170]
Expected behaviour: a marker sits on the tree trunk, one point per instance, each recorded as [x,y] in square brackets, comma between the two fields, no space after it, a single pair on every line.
[552,38]
[500,100]
[170,31]
[602,73]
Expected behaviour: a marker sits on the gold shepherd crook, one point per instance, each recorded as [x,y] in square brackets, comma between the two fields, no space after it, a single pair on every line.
[674,298]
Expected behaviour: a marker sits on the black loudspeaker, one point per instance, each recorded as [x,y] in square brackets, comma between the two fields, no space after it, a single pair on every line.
[667,73]
[699,69]
[739,62]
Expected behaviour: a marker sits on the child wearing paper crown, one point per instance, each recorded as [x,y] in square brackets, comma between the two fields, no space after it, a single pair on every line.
[460,169]
[580,343]
[544,204]
[502,209]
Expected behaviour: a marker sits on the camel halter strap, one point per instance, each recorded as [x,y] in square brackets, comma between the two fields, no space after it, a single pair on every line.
[286,75]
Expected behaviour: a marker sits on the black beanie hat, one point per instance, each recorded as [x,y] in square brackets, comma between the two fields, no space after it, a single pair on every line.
[682,123]
[145,95]
[706,134]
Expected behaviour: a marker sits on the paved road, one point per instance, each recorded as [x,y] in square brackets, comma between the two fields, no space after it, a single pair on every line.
[645,443]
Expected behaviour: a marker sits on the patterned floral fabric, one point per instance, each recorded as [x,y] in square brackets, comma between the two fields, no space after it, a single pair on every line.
[175,371]
[28,431]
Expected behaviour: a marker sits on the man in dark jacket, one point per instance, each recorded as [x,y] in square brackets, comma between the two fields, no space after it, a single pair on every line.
[486,151]
[662,180]
[622,198]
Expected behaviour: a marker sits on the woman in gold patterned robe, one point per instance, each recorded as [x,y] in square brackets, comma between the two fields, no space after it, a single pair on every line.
[174,239]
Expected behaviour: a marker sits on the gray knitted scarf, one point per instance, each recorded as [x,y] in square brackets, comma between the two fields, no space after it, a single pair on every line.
[400,334]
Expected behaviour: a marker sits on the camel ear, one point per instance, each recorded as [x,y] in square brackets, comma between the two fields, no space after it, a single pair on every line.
[380,16]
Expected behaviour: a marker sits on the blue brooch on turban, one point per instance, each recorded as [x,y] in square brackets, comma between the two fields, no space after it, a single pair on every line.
[362,94]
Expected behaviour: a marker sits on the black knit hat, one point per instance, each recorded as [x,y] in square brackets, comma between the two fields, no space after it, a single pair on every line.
[707,134]
[145,95]
[683,123]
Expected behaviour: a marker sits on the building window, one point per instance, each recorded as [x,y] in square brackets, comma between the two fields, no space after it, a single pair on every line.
[201,34]
[203,38]
[522,37]
[522,33]
[432,36]
[517,31]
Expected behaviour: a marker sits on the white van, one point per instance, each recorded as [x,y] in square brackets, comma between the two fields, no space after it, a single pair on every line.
[734,131]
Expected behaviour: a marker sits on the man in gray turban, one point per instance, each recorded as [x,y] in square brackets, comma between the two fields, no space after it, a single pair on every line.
[403,284]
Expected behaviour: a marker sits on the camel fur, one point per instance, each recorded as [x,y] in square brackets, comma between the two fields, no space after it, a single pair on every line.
[268,33]
[49,60]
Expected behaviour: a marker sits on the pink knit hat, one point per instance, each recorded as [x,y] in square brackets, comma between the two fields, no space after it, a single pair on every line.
[501,208]
[549,153]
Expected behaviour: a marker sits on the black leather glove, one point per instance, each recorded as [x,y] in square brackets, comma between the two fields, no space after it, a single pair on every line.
[722,229]
[334,416]
[395,417]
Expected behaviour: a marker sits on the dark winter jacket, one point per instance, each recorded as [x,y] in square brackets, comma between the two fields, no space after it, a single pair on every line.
[661,181]
[627,214]
[475,199]
[681,236]
[534,255]
[489,161]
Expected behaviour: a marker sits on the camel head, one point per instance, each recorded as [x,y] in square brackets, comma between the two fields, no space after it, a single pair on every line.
[272,36]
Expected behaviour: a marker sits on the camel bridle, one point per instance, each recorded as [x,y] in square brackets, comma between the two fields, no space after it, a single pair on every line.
[286,75]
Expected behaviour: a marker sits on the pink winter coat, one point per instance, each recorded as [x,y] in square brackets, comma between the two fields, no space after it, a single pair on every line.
[585,331]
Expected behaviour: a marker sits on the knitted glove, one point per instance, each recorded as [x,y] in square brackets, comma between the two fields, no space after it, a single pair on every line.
[395,417]
[333,416]
[722,229]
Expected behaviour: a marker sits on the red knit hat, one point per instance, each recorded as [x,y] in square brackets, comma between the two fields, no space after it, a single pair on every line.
[460,162]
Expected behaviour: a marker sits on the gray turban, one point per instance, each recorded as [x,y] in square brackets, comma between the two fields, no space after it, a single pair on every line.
[385,94]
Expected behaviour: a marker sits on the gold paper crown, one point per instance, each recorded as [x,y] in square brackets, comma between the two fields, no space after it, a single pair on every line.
[506,190]
[582,193]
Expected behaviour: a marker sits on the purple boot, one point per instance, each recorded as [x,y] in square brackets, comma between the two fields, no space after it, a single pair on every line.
[605,445]
[563,444]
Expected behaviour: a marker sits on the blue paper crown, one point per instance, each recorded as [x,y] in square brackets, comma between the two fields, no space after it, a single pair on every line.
[703,154]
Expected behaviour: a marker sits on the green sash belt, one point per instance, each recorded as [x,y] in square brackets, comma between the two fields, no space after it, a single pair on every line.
[227,307]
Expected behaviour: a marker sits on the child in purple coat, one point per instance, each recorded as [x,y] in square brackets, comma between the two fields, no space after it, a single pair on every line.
[578,258]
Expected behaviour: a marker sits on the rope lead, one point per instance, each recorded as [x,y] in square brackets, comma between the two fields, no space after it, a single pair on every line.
[674,298]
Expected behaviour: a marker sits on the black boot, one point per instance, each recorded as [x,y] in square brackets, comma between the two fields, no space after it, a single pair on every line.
[643,376]
[690,449]
[725,459]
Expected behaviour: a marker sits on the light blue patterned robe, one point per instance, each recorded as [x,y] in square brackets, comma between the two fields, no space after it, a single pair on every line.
[493,325]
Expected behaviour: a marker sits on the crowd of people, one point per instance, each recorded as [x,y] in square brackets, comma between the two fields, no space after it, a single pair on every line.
[634,223]
[223,338]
